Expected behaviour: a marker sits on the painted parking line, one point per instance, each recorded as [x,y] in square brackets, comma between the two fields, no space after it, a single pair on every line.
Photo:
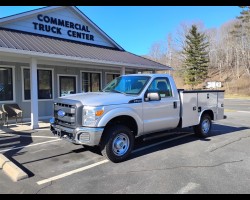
[71,172]
[9,143]
[33,152]
[8,137]
[242,111]
[31,145]
[36,136]
[104,161]
[190,186]
[33,136]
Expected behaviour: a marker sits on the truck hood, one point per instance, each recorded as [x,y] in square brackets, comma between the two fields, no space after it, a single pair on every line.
[100,98]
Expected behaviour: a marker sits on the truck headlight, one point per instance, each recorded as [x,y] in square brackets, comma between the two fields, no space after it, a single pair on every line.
[91,115]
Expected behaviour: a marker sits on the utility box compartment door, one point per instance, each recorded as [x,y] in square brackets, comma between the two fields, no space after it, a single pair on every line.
[189,109]
[207,101]
[220,106]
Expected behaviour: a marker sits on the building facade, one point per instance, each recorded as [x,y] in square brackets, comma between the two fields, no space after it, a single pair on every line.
[55,51]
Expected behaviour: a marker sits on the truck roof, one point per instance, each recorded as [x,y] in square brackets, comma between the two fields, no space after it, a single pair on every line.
[151,75]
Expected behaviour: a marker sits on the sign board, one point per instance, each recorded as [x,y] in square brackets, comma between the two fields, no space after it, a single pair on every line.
[213,84]
[61,23]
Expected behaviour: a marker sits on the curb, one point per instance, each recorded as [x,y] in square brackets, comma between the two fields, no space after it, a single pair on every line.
[13,171]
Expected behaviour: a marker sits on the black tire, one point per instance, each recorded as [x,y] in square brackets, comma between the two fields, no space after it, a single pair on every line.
[203,129]
[117,144]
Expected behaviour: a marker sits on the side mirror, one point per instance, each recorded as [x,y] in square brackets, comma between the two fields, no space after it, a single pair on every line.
[153,96]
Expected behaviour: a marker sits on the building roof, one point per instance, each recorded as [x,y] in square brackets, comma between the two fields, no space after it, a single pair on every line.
[32,44]
[22,16]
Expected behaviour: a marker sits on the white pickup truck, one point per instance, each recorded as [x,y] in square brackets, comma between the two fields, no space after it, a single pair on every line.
[131,106]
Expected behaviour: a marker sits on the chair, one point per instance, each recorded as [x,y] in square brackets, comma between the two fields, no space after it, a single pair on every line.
[12,111]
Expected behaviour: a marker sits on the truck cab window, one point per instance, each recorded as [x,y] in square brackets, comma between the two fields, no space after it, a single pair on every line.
[162,86]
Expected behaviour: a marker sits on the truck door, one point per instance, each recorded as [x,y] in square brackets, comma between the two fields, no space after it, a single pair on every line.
[163,114]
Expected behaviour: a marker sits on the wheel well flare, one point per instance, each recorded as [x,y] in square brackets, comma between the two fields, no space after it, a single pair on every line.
[126,121]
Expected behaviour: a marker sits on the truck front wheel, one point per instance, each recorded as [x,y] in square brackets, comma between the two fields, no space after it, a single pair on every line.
[117,144]
[203,129]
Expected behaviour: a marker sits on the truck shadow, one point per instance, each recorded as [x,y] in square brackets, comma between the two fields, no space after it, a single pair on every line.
[12,144]
[178,137]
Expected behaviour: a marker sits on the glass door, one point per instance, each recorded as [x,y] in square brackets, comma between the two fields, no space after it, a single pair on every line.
[67,85]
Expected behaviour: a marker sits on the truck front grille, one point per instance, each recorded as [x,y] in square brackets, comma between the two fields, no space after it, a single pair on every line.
[69,118]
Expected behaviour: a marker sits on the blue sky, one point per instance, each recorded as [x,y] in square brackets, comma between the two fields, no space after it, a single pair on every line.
[136,28]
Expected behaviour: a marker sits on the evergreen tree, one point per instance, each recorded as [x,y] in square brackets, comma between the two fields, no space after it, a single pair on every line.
[242,28]
[195,66]
[245,14]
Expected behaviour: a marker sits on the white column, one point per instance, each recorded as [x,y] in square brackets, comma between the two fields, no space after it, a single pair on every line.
[123,70]
[34,93]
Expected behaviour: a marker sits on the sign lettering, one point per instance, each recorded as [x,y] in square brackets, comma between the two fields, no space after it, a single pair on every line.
[54,25]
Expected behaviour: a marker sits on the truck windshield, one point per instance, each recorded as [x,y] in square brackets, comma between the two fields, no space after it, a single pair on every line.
[127,84]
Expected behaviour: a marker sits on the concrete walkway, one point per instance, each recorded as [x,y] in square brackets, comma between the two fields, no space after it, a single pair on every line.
[24,127]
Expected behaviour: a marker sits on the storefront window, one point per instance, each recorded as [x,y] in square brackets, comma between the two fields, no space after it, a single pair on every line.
[26,79]
[44,81]
[44,84]
[110,77]
[6,84]
[91,82]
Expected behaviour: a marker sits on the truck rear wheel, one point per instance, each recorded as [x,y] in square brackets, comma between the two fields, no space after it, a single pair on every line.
[117,143]
[203,129]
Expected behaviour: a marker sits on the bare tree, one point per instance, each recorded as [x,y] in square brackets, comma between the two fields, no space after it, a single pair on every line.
[229,52]
[156,51]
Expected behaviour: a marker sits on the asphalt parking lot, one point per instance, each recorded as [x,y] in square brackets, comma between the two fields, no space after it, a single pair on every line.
[177,163]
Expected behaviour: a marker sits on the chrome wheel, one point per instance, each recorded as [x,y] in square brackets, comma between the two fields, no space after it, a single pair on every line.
[203,129]
[120,144]
[205,126]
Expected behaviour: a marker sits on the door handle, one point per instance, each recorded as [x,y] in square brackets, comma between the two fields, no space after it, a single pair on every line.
[175,104]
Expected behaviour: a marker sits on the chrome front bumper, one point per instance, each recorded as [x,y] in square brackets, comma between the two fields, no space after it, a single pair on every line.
[81,135]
